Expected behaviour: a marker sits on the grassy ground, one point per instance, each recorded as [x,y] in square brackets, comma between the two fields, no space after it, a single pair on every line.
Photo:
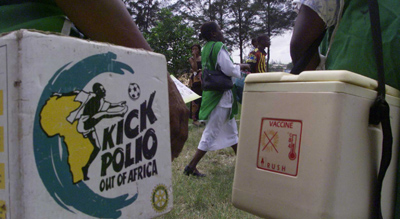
[207,197]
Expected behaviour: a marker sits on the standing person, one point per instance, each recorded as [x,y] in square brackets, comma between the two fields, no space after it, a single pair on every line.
[257,59]
[254,42]
[101,20]
[217,107]
[255,49]
[195,82]
[249,59]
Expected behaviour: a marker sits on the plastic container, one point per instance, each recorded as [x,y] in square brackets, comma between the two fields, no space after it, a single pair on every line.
[306,149]
[61,100]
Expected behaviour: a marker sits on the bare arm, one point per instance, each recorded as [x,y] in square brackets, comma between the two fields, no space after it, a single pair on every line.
[245,67]
[104,21]
[307,28]
[193,64]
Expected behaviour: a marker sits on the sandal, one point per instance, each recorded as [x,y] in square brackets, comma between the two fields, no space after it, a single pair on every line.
[196,123]
[189,171]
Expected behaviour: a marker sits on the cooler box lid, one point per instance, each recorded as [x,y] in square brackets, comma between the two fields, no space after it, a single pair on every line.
[318,76]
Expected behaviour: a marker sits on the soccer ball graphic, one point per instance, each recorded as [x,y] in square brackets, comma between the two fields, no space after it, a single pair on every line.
[134,91]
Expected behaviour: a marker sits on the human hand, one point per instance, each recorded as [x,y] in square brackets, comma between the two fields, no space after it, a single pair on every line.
[178,114]
[245,66]
[191,60]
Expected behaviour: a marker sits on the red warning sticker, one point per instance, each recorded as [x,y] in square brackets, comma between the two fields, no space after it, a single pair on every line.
[279,145]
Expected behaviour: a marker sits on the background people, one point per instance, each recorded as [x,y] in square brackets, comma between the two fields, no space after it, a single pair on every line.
[217,107]
[252,52]
[101,20]
[257,58]
[195,82]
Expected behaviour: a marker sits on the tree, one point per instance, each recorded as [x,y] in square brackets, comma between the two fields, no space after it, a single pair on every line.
[172,37]
[240,20]
[196,12]
[276,17]
[242,23]
[144,13]
[217,11]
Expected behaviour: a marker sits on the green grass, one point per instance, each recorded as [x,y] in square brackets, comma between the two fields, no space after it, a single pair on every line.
[207,197]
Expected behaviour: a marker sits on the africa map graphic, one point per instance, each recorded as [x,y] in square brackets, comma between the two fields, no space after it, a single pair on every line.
[61,150]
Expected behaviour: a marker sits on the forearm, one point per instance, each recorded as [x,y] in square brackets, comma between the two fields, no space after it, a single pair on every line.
[308,27]
[104,21]
[227,67]
[193,65]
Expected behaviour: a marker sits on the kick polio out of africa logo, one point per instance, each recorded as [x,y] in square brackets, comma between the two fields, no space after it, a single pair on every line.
[94,137]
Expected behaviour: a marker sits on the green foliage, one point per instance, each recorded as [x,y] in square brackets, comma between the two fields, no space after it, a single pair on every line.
[243,19]
[217,11]
[276,16]
[175,28]
[192,11]
[173,38]
[144,12]
[240,20]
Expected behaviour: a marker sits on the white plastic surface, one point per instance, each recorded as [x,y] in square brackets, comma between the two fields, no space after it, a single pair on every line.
[46,83]
[320,76]
[306,149]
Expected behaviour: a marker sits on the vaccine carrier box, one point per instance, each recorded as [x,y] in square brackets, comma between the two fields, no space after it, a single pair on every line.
[84,129]
[306,149]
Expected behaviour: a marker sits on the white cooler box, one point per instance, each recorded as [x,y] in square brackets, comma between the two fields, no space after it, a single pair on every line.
[70,108]
[306,149]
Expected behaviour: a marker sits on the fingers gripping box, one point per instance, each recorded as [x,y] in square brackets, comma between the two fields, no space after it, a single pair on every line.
[306,149]
[84,129]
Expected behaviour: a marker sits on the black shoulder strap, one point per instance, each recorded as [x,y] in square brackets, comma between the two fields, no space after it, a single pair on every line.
[209,57]
[212,47]
[379,111]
